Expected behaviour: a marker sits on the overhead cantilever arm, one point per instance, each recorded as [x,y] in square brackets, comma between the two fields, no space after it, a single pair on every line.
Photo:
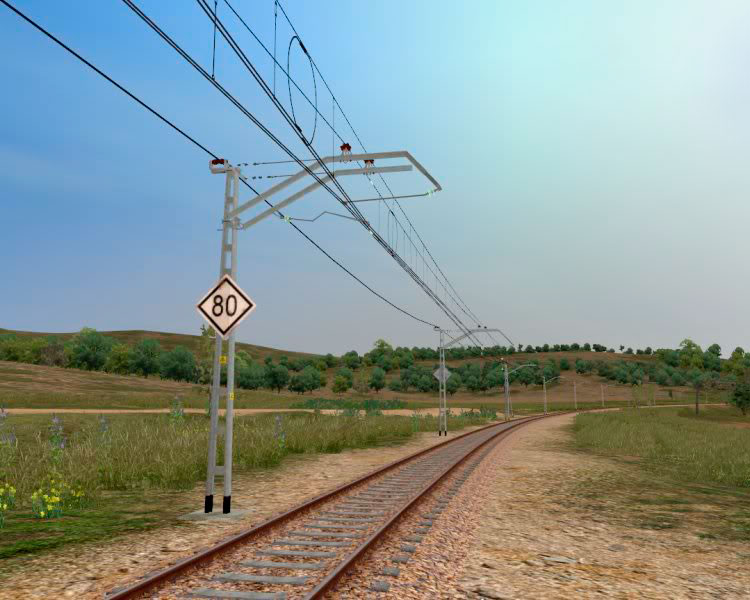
[306,190]
[455,341]
[338,158]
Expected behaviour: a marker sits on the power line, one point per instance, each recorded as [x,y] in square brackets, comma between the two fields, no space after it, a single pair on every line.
[264,86]
[459,301]
[205,149]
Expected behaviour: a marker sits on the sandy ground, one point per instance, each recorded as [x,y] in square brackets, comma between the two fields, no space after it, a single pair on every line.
[533,539]
[88,571]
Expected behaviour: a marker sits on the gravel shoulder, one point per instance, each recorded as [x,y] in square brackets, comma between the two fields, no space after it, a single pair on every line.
[537,537]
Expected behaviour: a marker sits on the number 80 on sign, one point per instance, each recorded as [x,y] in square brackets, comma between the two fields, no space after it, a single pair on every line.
[225,306]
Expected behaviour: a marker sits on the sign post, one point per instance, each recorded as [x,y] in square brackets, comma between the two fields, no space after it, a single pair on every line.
[224,307]
[442,374]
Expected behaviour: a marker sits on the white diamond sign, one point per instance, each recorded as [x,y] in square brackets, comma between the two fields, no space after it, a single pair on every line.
[225,306]
[442,374]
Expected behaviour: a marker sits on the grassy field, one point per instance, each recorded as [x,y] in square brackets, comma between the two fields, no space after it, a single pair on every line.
[127,490]
[671,469]
[701,449]
[169,341]
[35,386]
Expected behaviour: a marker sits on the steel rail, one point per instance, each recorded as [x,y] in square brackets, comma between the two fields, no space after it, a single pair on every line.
[348,563]
[158,578]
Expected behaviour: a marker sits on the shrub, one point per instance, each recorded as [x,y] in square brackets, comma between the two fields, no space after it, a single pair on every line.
[146,357]
[741,397]
[340,384]
[178,364]
[89,350]
[120,360]
[377,379]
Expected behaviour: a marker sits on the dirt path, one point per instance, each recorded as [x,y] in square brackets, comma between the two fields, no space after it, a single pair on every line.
[88,571]
[533,539]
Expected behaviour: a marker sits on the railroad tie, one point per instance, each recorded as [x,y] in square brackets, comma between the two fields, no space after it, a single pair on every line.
[262,579]
[310,543]
[226,594]
[270,564]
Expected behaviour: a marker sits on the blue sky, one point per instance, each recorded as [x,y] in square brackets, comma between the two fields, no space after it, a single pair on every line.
[592,155]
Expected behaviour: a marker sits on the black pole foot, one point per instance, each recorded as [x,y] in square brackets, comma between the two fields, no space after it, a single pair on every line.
[208,506]
[227,505]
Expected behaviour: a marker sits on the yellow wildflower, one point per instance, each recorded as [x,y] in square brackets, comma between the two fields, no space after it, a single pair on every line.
[5,507]
[41,514]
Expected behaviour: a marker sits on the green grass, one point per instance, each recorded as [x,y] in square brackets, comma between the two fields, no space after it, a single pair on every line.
[670,470]
[132,473]
[672,442]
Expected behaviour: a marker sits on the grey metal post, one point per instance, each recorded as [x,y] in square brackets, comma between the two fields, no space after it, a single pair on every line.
[229,415]
[575,397]
[216,384]
[544,383]
[443,418]
[507,393]
[214,413]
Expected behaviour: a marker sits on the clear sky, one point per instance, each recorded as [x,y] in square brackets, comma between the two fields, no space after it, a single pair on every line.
[593,156]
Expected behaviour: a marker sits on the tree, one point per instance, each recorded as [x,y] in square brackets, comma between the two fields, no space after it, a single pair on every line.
[741,397]
[340,384]
[311,378]
[249,375]
[383,346]
[331,360]
[396,384]
[146,357]
[424,383]
[495,378]
[178,364]
[473,383]
[453,384]
[698,381]
[564,364]
[347,374]
[276,377]
[120,360]
[89,350]
[587,347]
[622,347]
[691,355]
[351,360]
[377,378]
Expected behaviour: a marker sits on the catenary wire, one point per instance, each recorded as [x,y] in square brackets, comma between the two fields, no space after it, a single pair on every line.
[264,86]
[202,147]
[459,301]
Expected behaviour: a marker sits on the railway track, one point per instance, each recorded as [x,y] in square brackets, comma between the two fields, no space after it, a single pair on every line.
[304,552]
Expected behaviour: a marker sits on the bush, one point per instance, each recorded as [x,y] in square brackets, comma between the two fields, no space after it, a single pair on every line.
[146,357]
[276,377]
[178,364]
[377,379]
[741,397]
[249,375]
[120,360]
[340,384]
[89,350]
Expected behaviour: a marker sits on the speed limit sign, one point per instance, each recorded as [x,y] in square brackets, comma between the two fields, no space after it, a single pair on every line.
[225,306]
